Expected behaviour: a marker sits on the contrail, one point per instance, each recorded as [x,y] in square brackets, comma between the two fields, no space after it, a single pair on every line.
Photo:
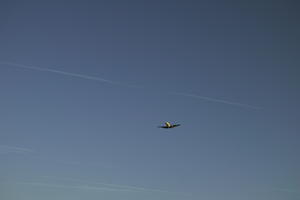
[12,149]
[117,186]
[216,100]
[81,187]
[287,190]
[82,76]
[94,78]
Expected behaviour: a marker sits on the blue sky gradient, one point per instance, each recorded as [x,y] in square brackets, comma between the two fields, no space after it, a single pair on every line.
[84,85]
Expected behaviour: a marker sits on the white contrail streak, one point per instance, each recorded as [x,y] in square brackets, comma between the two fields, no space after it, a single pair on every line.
[287,190]
[82,76]
[12,149]
[117,186]
[81,187]
[216,100]
[94,78]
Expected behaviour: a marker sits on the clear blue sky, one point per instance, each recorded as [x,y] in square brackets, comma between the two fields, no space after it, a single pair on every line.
[66,136]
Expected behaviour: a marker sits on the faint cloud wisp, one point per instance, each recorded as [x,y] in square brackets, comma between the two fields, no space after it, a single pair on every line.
[80,187]
[116,187]
[4,149]
[287,190]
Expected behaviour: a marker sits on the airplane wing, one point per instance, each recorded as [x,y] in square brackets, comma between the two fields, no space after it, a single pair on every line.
[175,125]
[162,127]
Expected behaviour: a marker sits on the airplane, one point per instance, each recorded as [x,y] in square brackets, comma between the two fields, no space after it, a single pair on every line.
[169,125]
